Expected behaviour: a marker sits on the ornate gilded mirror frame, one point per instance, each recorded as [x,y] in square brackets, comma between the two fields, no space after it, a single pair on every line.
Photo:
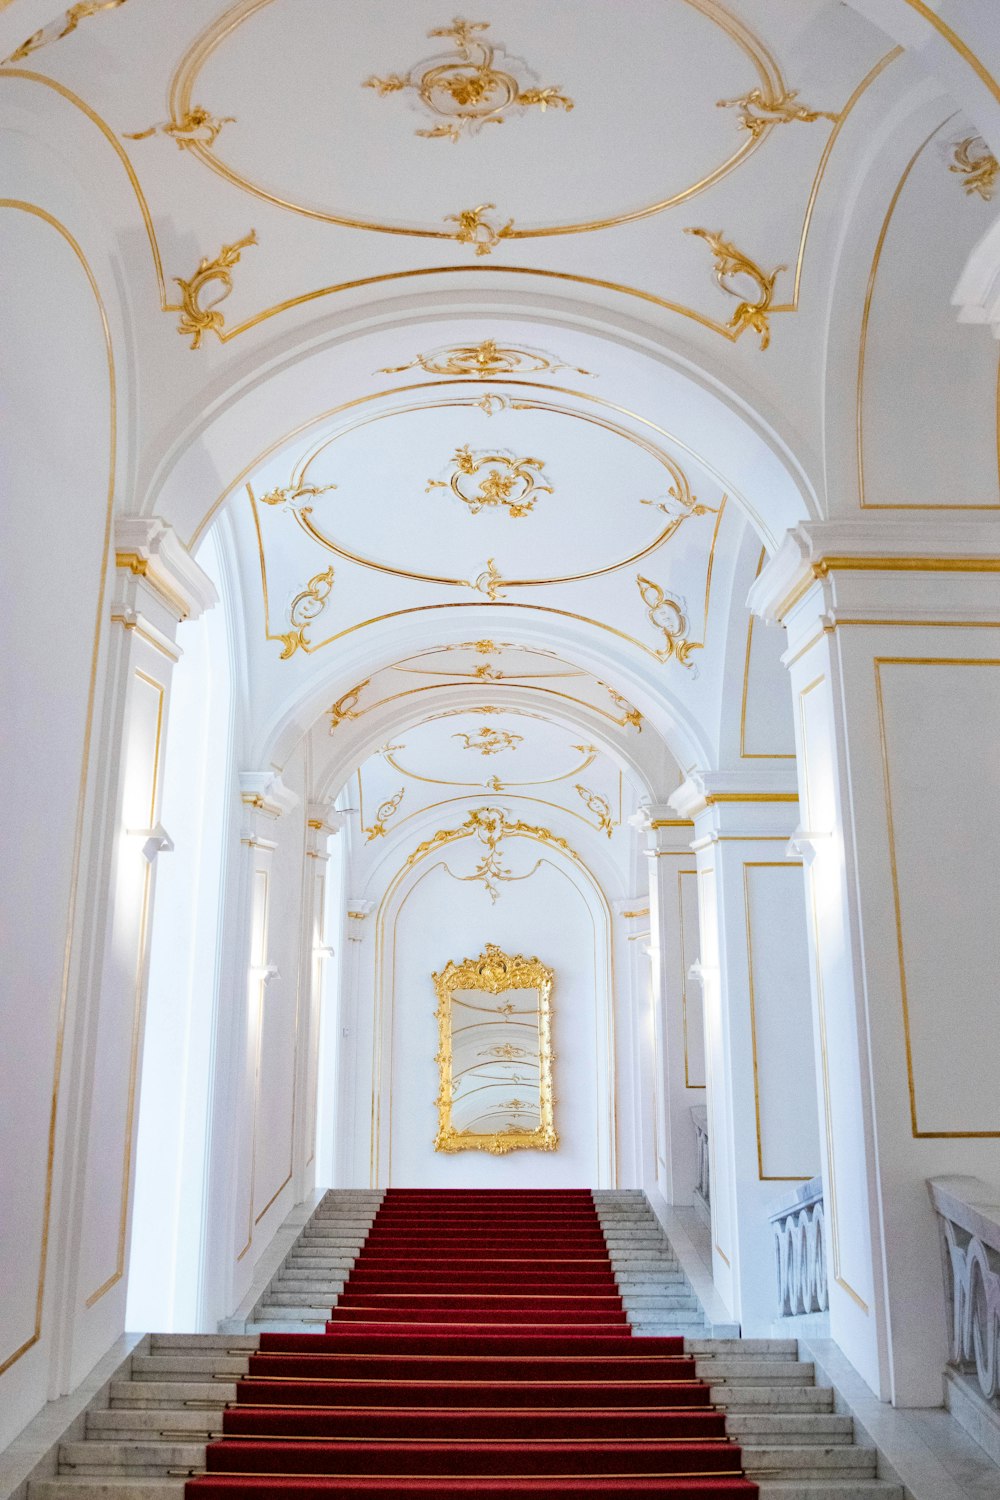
[501,1047]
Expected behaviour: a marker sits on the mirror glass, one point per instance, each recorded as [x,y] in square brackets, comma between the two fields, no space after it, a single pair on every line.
[495,1058]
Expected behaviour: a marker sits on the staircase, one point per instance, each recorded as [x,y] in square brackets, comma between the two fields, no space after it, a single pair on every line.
[398,1387]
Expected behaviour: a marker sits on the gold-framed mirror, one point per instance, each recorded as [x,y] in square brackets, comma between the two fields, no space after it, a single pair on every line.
[495,1054]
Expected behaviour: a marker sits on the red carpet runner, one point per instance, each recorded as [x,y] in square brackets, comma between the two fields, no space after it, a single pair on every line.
[480,1351]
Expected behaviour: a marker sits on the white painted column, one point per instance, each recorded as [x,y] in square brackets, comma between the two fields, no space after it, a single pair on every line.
[679,1033]
[322,822]
[760,1063]
[356,1122]
[157,585]
[894,658]
[639,1088]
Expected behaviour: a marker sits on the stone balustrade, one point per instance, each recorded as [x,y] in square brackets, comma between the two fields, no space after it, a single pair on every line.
[703,1188]
[968,1212]
[800,1258]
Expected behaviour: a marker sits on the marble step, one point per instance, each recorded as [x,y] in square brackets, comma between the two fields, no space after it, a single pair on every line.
[130,1395]
[152,1423]
[750,1348]
[829,1489]
[105,1487]
[187,1366]
[773,1428]
[728,1370]
[166,1343]
[810,1461]
[307,1286]
[761,1399]
[312,1318]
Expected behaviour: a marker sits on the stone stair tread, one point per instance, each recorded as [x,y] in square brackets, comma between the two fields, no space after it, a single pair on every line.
[829,1489]
[803,1457]
[106,1487]
[166,1392]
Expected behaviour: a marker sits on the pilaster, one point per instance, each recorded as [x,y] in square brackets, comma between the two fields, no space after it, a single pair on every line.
[322,824]
[760,1066]
[894,658]
[157,585]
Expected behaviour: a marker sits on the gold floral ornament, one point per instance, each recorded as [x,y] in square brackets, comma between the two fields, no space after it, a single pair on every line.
[490,826]
[385,812]
[476,1110]
[56,30]
[490,741]
[630,715]
[475,229]
[487,672]
[599,807]
[465,89]
[976,163]
[669,616]
[759,110]
[489,581]
[730,263]
[291,496]
[510,483]
[306,607]
[196,127]
[487,360]
[345,708]
[679,505]
[195,319]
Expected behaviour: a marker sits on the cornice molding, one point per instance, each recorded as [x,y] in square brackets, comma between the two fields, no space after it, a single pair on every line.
[149,548]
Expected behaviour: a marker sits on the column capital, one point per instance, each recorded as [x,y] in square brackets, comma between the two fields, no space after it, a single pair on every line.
[729,805]
[666,831]
[322,822]
[881,572]
[358,911]
[151,557]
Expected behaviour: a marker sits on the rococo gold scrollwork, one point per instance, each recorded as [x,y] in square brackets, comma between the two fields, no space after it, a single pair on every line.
[510,483]
[977,165]
[307,606]
[291,495]
[630,715]
[730,262]
[490,826]
[344,708]
[489,741]
[486,359]
[195,127]
[759,110]
[195,319]
[475,229]
[382,816]
[489,582]
[599,807]
[669,615]
[473,1093]
[56,30]
[466,90]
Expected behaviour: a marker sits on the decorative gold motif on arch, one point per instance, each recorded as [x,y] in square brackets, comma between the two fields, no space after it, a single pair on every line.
[306,607]
[56,30]
[730,262]
[489,741]
[487,359]
[527,1059]
[474,228]
[511,483]
[197,126]
[599,806]
[490,825]
[466,89]
[382,816]
[195,319]
[346,706]
[669,615]
[974,160]
[758,111]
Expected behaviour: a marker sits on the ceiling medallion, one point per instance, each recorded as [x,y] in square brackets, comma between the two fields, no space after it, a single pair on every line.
[306,607]
[490,741]
[599,806]
[486,359]
[56,30]
[759,111]
[731,262]
[196,127]
[464,89]
[669,615]
[385,812]
[195,319]
[976,163]
[344,708]
[511,484]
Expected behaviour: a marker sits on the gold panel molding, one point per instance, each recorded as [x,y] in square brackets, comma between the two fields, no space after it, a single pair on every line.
[472,227]
[511,483]
[56,30]
[496,973]
[467,89]
[487,359]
